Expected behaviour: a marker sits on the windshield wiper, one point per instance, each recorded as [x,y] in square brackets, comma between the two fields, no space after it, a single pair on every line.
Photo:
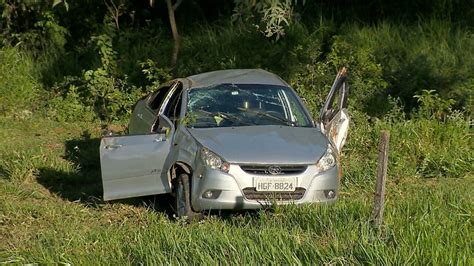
[265,114]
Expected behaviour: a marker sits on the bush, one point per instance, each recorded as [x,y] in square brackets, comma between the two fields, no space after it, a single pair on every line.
[103,93]
[69,107]
[313,80]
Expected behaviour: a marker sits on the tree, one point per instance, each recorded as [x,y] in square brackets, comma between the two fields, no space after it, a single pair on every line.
[174,29]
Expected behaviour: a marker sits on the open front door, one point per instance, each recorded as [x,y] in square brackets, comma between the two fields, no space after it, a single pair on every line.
[334,115]
[132,165]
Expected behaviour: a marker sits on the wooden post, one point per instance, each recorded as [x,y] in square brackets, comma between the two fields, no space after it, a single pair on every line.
[381,177]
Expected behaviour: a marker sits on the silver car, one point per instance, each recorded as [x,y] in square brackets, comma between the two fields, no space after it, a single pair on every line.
[230,139]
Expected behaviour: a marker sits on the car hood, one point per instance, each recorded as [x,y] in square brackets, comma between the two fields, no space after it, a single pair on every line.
[264,144]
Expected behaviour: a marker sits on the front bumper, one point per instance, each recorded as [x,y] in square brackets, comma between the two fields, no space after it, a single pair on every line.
[231,185]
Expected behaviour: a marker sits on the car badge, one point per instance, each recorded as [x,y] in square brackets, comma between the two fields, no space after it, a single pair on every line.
[274,170]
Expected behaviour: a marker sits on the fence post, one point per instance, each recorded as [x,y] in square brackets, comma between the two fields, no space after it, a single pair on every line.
[379,197]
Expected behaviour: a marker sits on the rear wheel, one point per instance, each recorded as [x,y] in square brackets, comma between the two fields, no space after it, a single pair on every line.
[183,198]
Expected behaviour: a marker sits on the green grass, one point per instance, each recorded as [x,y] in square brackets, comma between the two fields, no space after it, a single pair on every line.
[50,189]
[17,81]
[51,211]
[429,55]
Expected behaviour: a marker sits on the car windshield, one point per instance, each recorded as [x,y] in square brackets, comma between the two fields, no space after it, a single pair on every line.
[233,105]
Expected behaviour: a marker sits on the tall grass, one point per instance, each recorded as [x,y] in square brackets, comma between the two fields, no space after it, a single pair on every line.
[425,224]
[419,148]
[19,85]
[428,55]
[51,211]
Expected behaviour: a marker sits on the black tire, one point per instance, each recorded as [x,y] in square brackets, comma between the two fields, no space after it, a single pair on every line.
[183,198]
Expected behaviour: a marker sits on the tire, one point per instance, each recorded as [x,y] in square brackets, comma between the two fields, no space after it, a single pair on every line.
[183,198]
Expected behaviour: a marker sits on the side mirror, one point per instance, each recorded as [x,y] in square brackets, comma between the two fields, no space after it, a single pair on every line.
[162,130]
[162,125]
[327,116]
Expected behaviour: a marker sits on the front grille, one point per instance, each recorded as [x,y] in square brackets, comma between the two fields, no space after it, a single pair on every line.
[252,194]
[264,169]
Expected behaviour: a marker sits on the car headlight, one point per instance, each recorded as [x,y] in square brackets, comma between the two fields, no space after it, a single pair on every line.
[328,160]
[213,160]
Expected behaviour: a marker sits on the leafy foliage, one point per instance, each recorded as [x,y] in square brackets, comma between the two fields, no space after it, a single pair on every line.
[314,79]
[270,17]
[86,62]
[106,55]
[154,74]
[433,106]
[69,107]
[99,90]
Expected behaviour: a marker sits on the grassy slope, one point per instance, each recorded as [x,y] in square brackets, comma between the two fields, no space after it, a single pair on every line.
[50,211]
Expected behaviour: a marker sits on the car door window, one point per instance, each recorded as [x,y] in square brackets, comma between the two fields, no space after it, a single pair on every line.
[173,106]
[337,98]
[157,98]
[334,114]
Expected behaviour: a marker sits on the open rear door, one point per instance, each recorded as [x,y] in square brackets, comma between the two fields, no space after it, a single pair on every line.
[132,165]
[334,115]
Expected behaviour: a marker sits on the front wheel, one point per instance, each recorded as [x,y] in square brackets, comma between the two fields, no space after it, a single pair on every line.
[183,198]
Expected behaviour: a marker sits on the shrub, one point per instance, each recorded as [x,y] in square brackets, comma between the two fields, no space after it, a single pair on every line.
[433,106]
[69,107]
[99,92]
[103,92]
[367,86]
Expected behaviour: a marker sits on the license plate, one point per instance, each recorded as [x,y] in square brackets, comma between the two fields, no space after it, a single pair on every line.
[275,183]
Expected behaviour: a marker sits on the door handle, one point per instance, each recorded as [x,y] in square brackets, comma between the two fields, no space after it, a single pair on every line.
[113,146]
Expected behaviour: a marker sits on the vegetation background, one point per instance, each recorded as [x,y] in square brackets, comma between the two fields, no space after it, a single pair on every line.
[69,69]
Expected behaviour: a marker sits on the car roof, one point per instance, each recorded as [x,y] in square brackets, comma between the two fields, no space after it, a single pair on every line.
[235,76]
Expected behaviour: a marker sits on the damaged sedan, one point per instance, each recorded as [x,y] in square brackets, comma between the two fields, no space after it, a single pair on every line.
[229,139]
